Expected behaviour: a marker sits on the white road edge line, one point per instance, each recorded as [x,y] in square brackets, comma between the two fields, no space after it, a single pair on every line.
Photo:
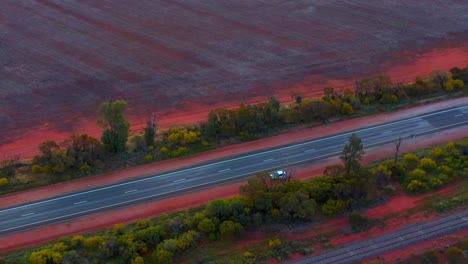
[129,191]
[239,158]
[27,214]
[81,202]
[179,180]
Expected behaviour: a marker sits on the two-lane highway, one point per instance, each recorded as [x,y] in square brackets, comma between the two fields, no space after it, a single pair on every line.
[156,187]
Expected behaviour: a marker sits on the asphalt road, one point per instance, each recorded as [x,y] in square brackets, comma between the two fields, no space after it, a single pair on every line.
[359,250]
[57,209]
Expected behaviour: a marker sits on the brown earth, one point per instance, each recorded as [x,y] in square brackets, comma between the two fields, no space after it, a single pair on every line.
[107,219]
[60,59]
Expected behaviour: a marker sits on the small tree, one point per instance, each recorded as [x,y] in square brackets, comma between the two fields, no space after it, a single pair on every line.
[150,133]
[352,154]
[454,255]
[116,127]
[397,150]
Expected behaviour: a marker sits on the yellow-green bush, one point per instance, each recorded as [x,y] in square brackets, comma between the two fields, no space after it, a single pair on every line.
[148,158]
[3,181]
[37,169]
[347,109]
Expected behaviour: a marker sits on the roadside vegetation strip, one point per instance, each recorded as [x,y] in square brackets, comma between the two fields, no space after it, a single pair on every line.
[263,200]
[83,155]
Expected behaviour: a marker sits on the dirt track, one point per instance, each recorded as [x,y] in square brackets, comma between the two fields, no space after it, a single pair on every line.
[60,59]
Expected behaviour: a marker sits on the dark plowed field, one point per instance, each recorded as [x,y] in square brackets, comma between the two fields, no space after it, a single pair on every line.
[59,59]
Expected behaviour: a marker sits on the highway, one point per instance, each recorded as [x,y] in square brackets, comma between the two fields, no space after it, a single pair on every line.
[359,250]
[31,215]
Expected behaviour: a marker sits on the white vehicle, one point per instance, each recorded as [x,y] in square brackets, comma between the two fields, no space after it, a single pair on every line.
[280,174]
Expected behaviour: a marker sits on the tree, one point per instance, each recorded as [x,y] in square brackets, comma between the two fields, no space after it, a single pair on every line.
[162,256]
[460,74]
[328,91]
[397,150]
[373,87]
[48,148]
[333,170]
[150,133]
[297,205]
[439,78]
[274,103]
[116,127]
[352,154]
[83,149]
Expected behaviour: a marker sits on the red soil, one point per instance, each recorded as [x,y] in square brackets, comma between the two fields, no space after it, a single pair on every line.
[108,219]
[190,112]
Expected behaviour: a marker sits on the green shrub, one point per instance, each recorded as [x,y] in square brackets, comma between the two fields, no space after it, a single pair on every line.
[164,150]
[390,190]
[454,255]
[431,257]
[138,260]
[332,207]
[358,222]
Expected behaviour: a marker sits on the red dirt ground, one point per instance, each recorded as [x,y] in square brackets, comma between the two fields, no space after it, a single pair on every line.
[108,219]
[61,59]
[193,112]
